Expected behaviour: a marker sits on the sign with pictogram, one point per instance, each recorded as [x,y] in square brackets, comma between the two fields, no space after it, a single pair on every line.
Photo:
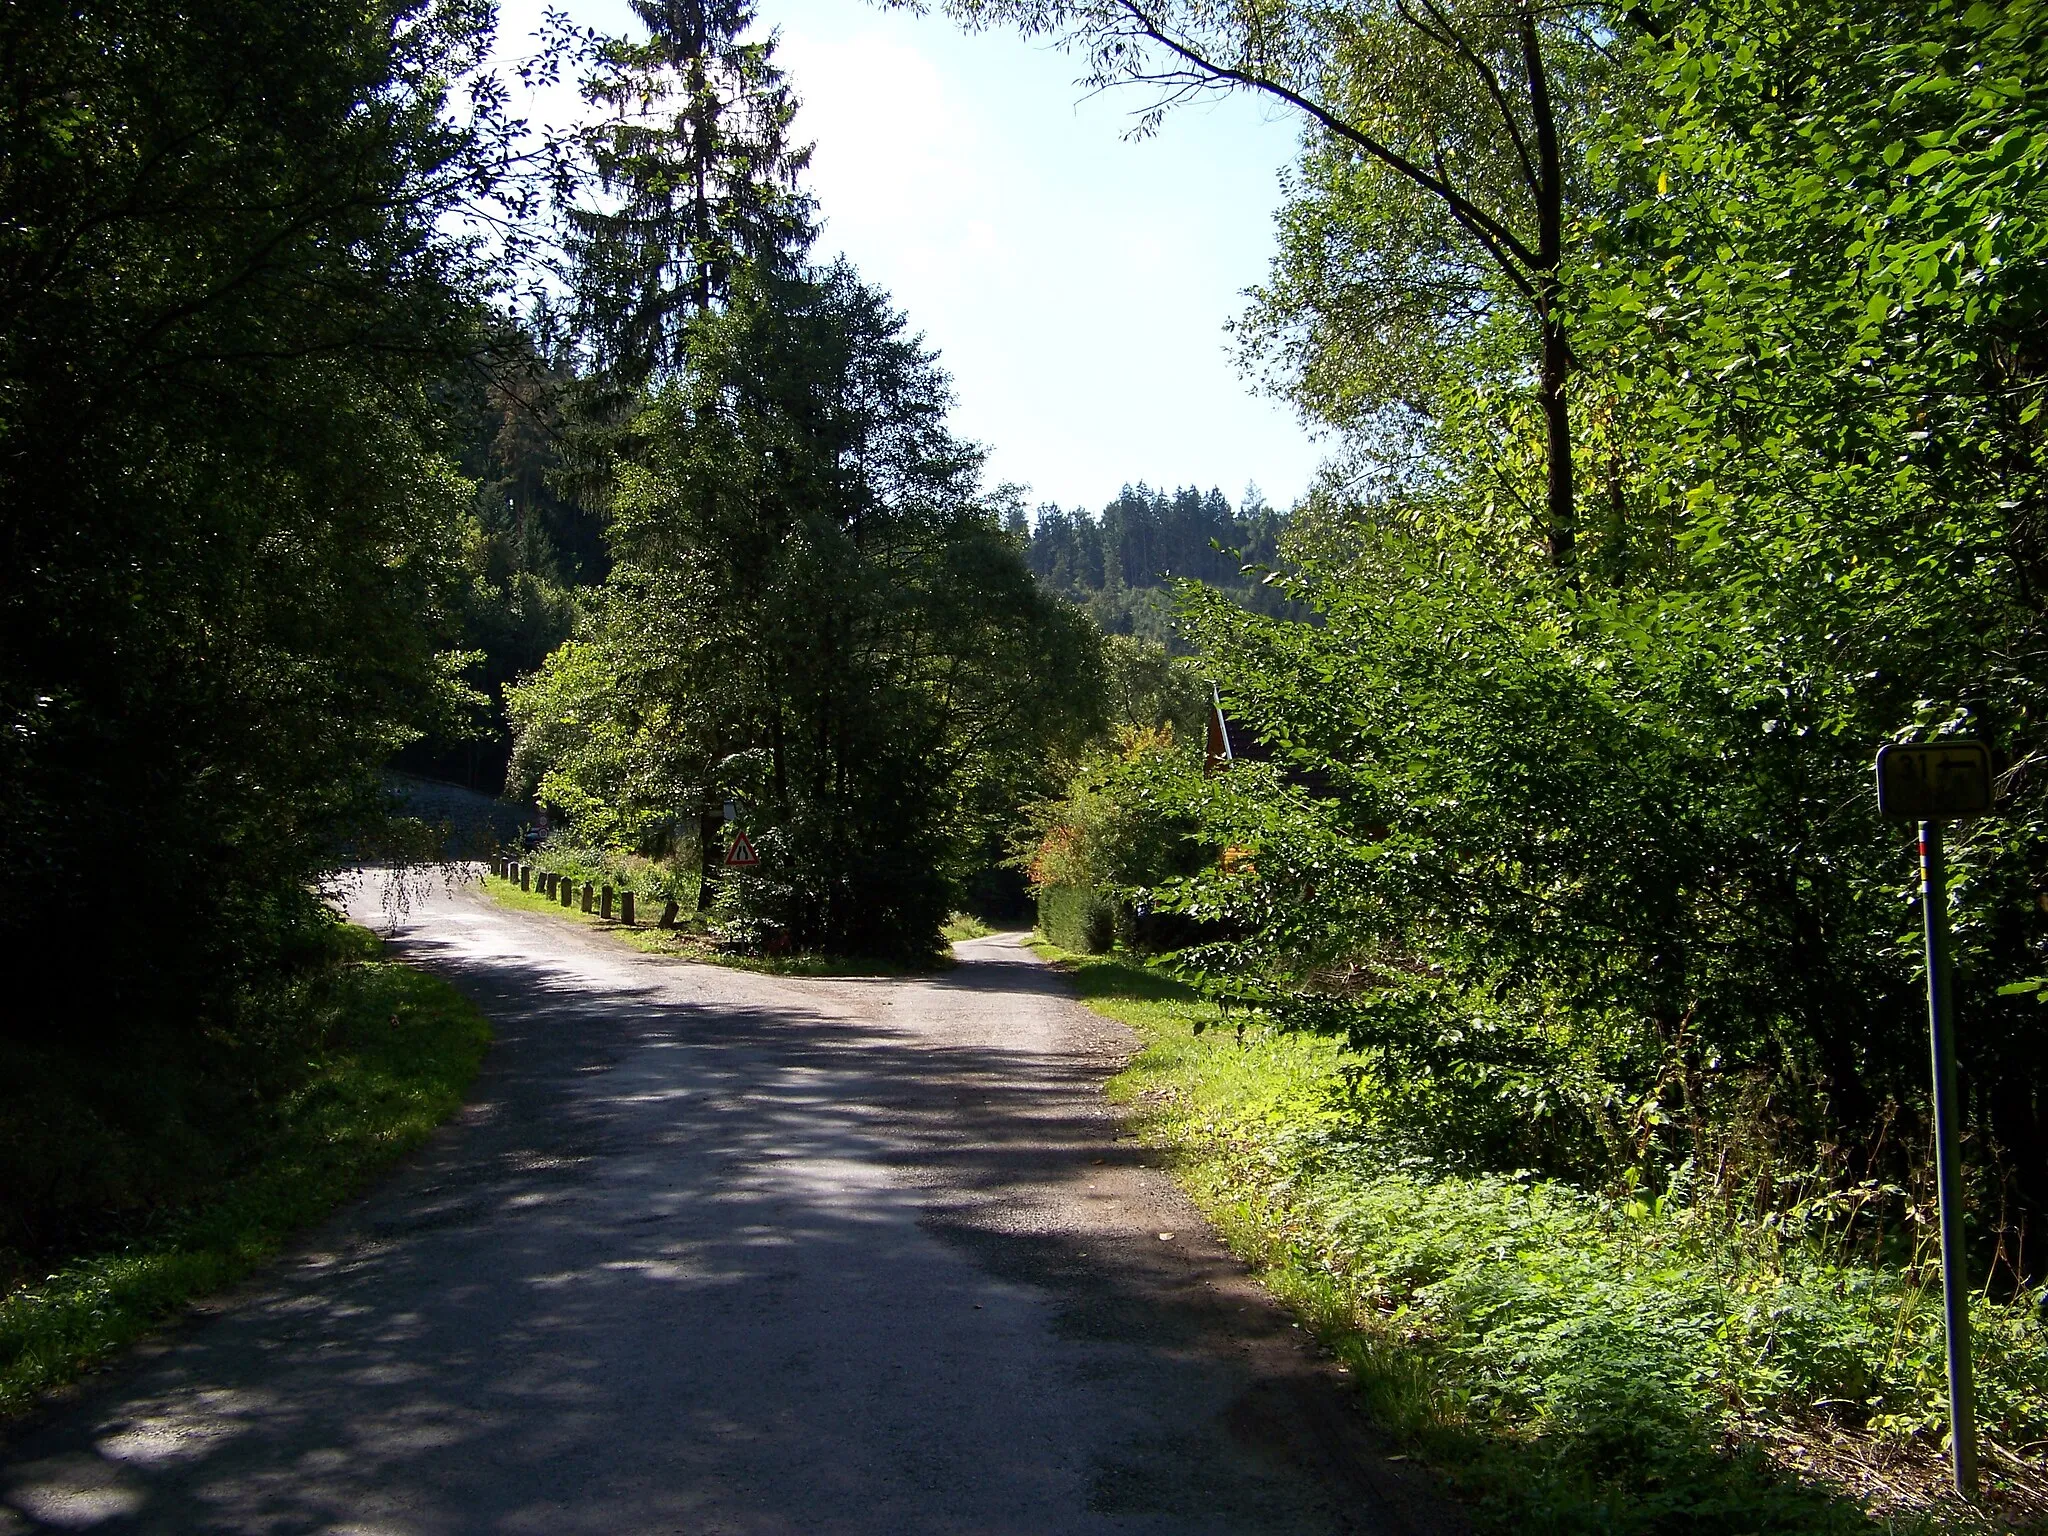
[741,854]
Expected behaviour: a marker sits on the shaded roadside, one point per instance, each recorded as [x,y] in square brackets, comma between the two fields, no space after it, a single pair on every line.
[731,1252]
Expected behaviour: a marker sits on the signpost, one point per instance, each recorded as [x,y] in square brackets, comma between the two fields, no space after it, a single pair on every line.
[1931,784]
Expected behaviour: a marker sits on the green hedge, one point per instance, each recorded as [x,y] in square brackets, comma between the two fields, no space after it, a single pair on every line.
[1077,919]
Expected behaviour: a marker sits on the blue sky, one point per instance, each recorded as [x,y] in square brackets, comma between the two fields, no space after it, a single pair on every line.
[1076,283]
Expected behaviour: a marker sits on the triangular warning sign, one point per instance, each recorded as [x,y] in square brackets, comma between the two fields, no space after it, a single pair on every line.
[741,854]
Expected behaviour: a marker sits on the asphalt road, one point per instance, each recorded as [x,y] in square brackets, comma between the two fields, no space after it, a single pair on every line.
[713,1252]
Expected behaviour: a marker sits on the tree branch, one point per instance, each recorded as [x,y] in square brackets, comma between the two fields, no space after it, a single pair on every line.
[1508,251]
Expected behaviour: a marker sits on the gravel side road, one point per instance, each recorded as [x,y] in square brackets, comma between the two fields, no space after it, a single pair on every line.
[712,1252]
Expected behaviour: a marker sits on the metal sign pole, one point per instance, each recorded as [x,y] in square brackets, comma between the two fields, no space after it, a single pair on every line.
[1954,1292]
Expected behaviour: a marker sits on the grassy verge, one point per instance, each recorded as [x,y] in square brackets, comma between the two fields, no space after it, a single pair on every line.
[691,943]
[1572,1363]
[364,1060]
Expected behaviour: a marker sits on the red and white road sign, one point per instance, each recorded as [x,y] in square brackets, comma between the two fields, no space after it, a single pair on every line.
[741,854]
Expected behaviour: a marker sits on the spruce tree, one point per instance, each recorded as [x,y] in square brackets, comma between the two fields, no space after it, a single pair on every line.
[693,174]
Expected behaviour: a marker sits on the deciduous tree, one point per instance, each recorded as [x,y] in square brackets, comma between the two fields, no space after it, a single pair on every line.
[1444,145]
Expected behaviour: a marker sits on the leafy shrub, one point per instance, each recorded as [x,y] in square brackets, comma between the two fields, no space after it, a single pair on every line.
[1582,1361]
[1599,885]
[1125,824]
[1076,919]
[649,879]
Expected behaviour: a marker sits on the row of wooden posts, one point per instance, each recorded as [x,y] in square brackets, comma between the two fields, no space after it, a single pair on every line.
[598,899]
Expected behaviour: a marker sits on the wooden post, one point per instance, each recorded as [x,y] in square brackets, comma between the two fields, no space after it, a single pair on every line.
[669,910]
[566,890]
[526,877]
[626,908]
[586,895]
[607,902]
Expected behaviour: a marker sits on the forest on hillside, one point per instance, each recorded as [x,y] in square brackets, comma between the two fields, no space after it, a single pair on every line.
[1120,565]
[1683,368]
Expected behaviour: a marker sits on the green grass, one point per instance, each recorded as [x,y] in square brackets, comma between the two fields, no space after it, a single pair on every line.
[643,934]
[965,925]
[1572,1363]
[691,943]
[378,1055]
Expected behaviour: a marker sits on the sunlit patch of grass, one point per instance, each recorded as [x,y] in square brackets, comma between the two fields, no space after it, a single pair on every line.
[387,1053]
[965,925]
[1569,1363]
[690,942]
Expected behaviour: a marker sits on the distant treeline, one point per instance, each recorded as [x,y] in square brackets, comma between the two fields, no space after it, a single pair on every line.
[1121,565]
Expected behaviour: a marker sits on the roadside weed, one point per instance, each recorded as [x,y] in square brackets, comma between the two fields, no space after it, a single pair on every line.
[1575,1362]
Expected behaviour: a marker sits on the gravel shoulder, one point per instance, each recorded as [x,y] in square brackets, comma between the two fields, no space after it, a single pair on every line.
[713,1251]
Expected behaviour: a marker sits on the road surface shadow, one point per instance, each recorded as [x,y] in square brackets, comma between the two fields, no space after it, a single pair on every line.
[705,1264]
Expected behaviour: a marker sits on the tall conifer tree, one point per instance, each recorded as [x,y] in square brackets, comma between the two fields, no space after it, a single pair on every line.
[694,174]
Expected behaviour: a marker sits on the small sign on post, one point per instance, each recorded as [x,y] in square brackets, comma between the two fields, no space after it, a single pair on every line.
[1934,782]
[741,854]
[1931,783]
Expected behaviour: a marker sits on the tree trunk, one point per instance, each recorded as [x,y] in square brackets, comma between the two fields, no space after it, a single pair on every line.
[1554,366]
[1560,511]
[711,849]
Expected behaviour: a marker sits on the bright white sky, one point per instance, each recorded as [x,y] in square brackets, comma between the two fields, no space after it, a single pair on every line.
[1076,284]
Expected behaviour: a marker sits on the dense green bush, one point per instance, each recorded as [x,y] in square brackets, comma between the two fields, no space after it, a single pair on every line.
[1599,885]
[230,275]
[1076,918]
[1125,824]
